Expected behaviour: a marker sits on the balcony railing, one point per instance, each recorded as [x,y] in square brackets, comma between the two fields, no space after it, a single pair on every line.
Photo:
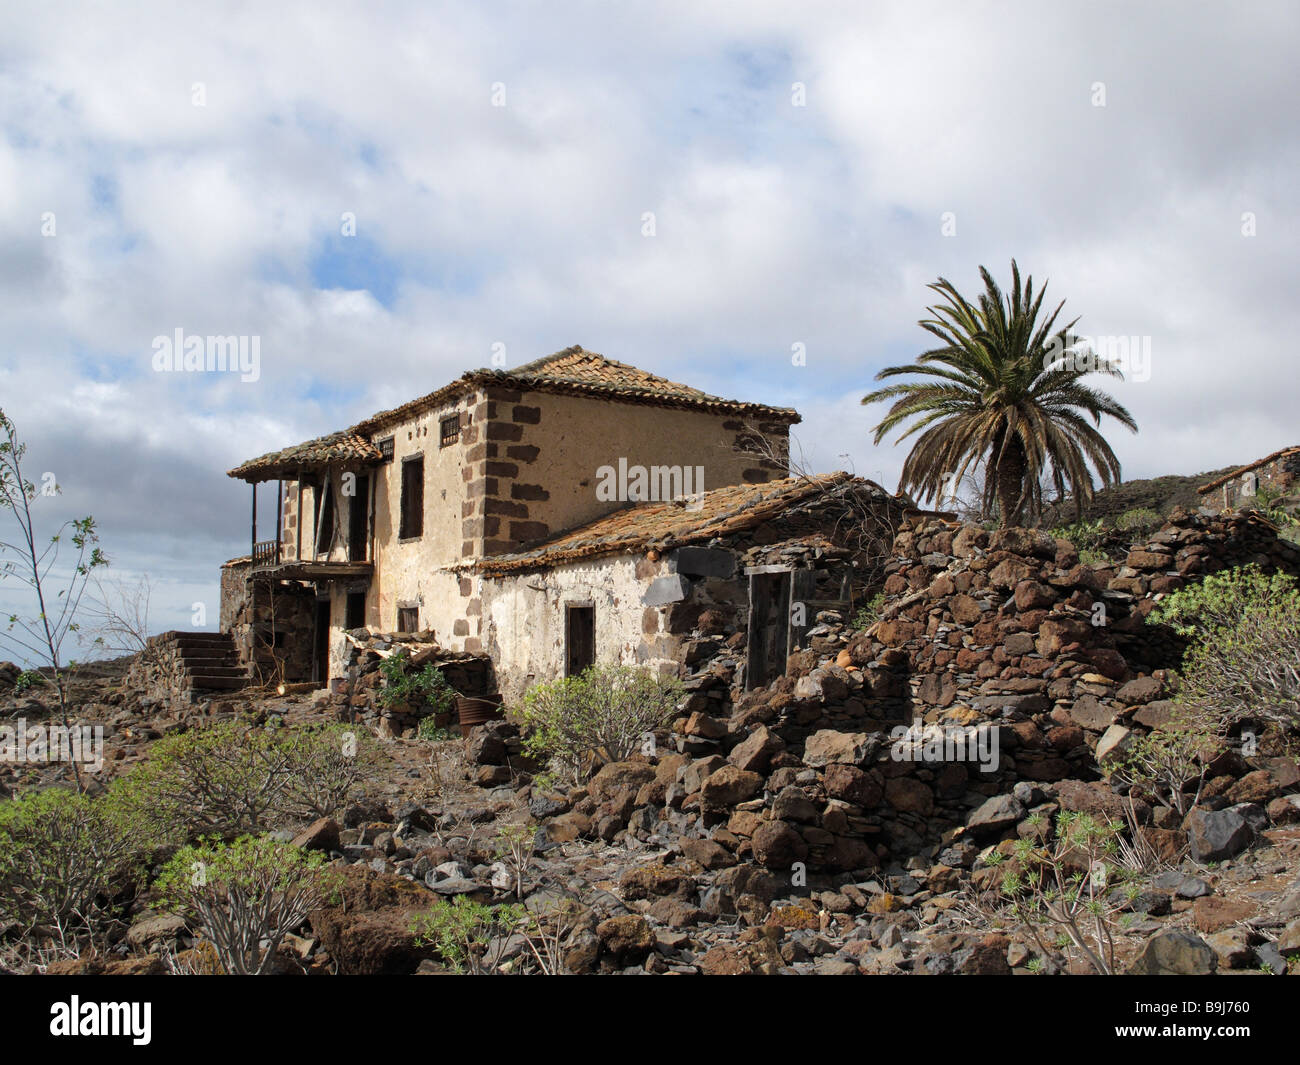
[266,553]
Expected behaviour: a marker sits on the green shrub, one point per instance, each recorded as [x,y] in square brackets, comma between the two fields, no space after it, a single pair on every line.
[432,732]
[63,858]
[1084,535]
[605,713]
[1069,893]
[424,687]
[1244,661]
[1163,763]
[1140,520]
[230,779]
[326,767]
[28,679]
[244,896]
[224,779]
[469,936]
[869,614]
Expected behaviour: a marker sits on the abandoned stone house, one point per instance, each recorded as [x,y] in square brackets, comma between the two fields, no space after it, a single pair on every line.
[571,510]
[1277,474]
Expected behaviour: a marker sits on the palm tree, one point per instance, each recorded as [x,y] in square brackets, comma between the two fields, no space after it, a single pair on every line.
[1008,394]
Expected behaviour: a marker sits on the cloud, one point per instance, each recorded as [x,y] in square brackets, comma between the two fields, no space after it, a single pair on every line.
[774,224]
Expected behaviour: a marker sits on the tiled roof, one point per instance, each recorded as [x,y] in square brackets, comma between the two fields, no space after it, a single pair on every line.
[1283,453]
[673,524]
[575,371]
[345,446]
[572,371]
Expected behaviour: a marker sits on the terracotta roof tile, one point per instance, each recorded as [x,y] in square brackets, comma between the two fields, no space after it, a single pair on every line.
[575,371]
[345,446]
[668,525]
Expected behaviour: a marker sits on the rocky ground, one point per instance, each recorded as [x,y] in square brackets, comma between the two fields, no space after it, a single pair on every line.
[778,830]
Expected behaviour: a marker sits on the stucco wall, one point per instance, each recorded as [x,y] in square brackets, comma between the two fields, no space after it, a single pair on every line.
[537,466]
[524,618]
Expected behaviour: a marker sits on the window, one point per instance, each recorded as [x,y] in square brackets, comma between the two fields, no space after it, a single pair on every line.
[412,522]
[385,449]
[358,523]
[449,430]
[355,614]
[408,618]
[580,639]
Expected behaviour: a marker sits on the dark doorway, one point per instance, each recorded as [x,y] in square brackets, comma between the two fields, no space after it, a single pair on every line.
[320,657]
[358,525]
[769,627]
[580,639]
[355,614]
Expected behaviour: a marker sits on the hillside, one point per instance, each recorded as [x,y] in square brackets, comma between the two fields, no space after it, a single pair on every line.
[1160,494]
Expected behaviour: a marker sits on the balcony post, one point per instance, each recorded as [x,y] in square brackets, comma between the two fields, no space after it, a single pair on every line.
[252,550]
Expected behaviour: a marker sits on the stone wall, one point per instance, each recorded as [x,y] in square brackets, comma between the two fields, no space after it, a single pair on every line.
[1003,638]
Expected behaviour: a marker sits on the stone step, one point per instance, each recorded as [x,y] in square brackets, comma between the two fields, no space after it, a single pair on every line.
[218,682]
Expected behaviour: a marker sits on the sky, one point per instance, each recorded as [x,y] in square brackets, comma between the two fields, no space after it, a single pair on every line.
[384,195]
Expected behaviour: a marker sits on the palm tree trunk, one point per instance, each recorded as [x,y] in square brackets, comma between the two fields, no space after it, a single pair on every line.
[1011,483]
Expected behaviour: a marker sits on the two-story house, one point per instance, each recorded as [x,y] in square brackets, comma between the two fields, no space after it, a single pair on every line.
[415,518]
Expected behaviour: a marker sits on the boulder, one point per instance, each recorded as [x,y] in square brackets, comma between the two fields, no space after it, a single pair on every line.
[849,748]
[1217,834]
[1175,953]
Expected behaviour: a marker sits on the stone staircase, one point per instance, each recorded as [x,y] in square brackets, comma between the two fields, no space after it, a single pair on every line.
[209,660]
[182,668]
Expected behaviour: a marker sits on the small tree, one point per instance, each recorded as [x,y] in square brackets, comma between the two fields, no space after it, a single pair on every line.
[244,896]
[605,713]
[31,560]
[1166,761]
[63,856]
[1069,893]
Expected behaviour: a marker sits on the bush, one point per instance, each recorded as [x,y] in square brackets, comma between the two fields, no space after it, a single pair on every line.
[244,896]
[1084,535]
[427,687]
[325,769]
[229,779]
[604,713]
[469,936]
[225,779]
[1140,520]
[1244,662]
[63,858]
[1163,763]
[869,614]
[1069,894]
[28,679]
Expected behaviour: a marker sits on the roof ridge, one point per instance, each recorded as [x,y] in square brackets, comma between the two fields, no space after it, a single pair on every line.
[1279,453]
[535,364]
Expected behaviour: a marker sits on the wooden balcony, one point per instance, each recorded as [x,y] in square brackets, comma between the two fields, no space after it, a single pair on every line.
[269,562]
